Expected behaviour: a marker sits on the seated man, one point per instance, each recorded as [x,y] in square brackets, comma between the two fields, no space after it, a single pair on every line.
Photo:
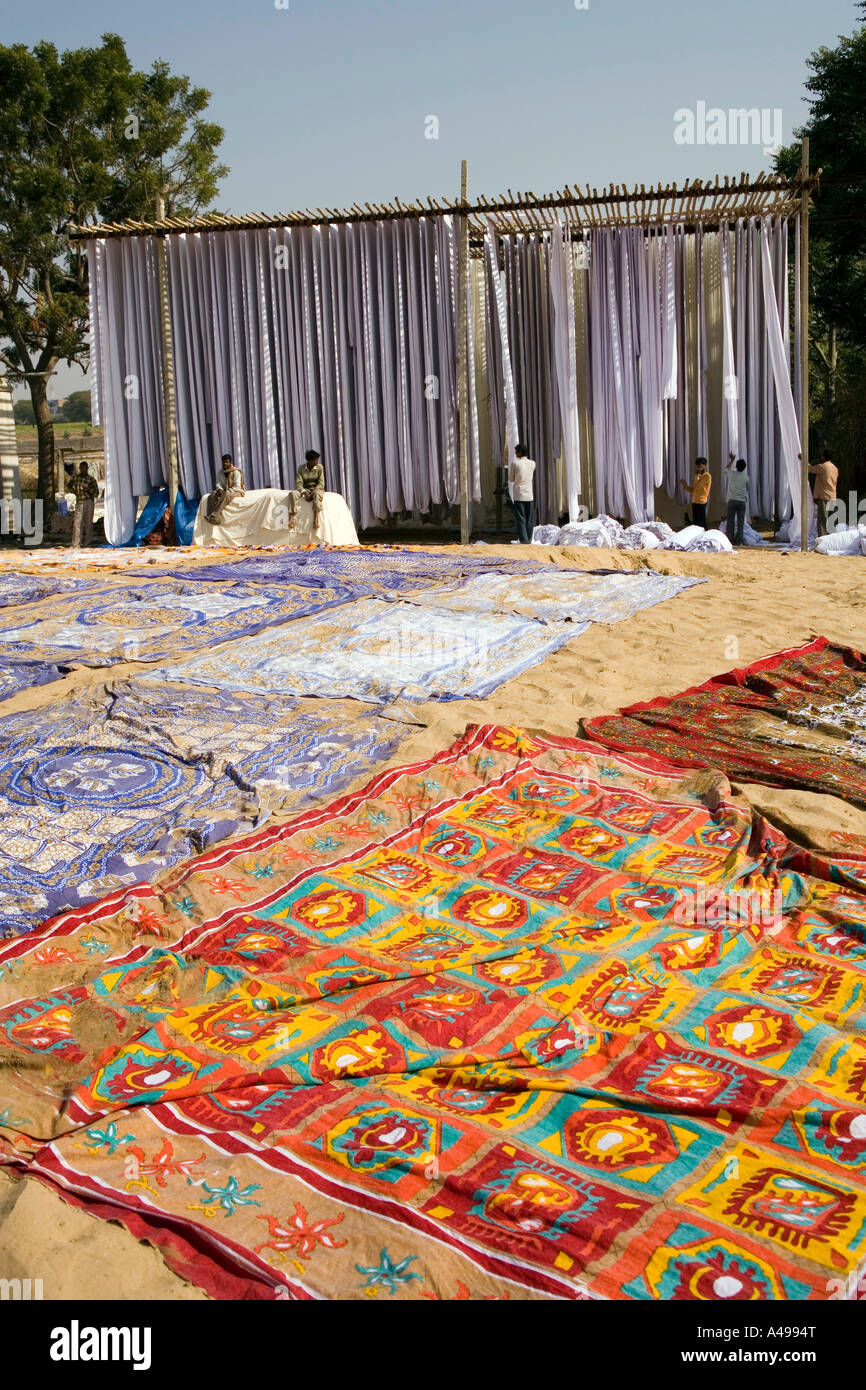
[230,485]
[310,485]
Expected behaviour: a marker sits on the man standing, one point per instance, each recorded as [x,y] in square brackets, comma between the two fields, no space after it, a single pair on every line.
[738,499]
[826,478]
[86,490]
[520,490]
[699,491]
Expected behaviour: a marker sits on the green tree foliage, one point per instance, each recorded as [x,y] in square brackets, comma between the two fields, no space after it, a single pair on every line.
[76,408]
[83,138]
[837,139]
[23,413]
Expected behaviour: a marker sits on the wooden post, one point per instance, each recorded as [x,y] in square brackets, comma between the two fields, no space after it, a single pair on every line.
[804,347]
[462,354]
[169,407]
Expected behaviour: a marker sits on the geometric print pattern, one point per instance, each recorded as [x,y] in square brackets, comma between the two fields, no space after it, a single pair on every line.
[524,1020]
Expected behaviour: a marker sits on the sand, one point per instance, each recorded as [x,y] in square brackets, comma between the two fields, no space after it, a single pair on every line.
[755,603]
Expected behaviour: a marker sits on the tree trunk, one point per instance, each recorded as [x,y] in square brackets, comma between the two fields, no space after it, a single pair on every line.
[45,437]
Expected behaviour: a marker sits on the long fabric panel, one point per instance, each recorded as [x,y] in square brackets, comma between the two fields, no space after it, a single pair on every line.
[794,719]
[465,1034]
[344,338]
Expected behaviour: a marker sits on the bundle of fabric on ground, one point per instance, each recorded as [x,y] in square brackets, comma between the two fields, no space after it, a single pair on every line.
[109,787]
[146,621]
[523,1020]
[268,516]
[794,719]
[851,541]
[607,532]
[750,535]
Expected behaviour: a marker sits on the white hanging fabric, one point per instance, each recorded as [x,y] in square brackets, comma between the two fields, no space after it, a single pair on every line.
[565,358]
[730,389]
[126,374]
[343,337]
[781,367]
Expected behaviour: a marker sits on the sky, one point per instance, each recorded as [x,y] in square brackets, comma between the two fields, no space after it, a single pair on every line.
[325,102]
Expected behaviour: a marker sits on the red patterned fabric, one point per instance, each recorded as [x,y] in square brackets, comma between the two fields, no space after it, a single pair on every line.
[519,1021]
[795,719]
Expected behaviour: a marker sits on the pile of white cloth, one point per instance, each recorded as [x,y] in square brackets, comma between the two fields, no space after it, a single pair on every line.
[607,532]
[851,541]
[262,517]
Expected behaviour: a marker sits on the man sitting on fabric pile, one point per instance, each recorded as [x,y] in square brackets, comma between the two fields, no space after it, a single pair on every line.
[310,484]
[230,485]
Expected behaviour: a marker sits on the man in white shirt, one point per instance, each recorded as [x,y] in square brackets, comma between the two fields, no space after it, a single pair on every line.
[520,490]
[738,500]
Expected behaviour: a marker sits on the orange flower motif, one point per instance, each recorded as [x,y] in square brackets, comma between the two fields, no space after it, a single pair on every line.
[301,1234]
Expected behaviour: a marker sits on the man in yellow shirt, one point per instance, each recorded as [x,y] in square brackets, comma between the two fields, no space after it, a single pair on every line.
[699,491]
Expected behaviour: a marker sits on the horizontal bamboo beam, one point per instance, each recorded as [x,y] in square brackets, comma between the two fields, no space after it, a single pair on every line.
[615,206]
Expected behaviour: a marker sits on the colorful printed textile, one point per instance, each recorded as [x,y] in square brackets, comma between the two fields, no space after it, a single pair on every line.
[112,787]
[381,651]
[559,595]
[147,621]
[519,1021]
[796,719]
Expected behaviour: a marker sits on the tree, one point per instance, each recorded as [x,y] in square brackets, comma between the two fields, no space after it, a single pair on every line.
[23,413]
[83,138]
[837,145]
[76,408]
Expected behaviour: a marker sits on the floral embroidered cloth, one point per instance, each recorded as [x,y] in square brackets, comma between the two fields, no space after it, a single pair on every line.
[795,719]
[382,651]
[523,1020]
[373,570]
[559,595]
[145,621]
[109,788]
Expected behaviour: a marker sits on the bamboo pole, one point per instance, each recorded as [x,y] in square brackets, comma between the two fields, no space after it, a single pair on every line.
[462,354]
[804,346]
[168,395]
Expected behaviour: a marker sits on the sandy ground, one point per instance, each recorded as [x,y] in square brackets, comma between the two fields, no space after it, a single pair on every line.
[755,603]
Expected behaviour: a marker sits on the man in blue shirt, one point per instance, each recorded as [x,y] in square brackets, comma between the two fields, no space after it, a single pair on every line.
[738,500]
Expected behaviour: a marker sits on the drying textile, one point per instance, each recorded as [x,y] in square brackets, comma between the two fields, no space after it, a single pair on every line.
[796,719]
[557,595]
[381,651]
[367,571]
[262,518]
[108,789]
[30,588]
[462,1035]
[147,622]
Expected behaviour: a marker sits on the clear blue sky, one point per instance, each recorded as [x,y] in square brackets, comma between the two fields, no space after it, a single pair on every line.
[324,103]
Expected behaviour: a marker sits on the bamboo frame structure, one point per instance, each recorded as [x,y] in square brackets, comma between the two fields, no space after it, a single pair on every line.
[694,203]
[705,204]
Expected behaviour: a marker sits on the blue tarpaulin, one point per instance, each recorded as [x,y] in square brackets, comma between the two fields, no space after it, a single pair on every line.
[184,517]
